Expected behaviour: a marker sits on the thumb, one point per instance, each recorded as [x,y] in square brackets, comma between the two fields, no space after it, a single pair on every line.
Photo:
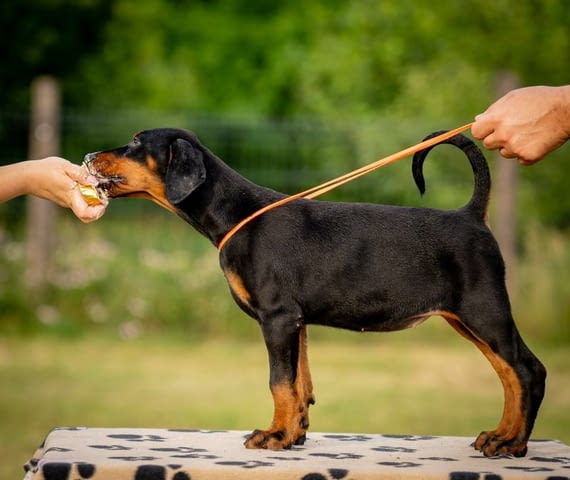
[81,175]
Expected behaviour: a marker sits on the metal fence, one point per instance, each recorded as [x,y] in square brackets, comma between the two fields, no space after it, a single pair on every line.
[288,155]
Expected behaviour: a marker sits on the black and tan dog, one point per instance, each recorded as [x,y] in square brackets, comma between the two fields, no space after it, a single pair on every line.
[355,266]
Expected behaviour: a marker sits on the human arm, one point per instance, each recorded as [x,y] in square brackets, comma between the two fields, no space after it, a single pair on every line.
[526,123]
[51,178]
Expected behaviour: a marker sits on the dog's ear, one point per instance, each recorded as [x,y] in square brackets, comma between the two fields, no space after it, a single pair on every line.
[185,172]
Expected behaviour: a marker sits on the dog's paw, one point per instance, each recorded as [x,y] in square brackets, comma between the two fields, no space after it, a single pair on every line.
[267,439]
[273,440]
[492,445]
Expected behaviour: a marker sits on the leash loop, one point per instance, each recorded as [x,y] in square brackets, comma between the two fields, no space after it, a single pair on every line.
[348,177]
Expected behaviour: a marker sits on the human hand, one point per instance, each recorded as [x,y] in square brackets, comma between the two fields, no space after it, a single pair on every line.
[56,179]
[526,123]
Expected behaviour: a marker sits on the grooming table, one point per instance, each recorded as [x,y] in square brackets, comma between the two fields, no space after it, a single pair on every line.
[161,454]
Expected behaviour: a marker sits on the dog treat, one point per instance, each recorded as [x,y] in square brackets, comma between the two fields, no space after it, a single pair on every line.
[90,194]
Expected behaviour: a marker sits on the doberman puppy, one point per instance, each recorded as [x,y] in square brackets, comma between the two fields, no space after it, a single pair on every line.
[356,266]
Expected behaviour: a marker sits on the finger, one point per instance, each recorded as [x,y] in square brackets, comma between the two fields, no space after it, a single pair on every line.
[80,207]
[491,142]
[528,162]
[79,174]
[77,199]
[98,211]
[482,127]
[89,214]
[505,152]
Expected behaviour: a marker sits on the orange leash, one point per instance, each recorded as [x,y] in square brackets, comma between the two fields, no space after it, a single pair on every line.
[337,182]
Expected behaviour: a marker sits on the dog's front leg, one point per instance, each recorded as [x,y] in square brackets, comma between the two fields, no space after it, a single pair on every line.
[291,387]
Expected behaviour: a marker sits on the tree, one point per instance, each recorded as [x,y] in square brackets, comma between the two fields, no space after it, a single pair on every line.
[379,67]
[46,37]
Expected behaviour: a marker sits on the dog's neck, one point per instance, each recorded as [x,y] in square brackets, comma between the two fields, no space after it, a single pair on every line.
[223,200]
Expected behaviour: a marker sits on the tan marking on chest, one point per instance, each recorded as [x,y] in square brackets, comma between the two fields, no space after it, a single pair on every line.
[237,286]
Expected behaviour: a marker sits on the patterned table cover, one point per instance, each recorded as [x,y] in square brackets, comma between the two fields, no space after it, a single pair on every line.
[169,454]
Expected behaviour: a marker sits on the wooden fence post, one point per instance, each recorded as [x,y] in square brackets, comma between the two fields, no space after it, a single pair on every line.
[505,193]
[44,141]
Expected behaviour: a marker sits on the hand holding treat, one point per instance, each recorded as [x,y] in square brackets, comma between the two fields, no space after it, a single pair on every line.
[54,179]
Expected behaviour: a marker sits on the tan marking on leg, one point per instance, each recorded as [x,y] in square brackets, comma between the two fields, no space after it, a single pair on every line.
[291,407]
[513,421]
[506,420]
[284,400]
[280,433]
[303,383]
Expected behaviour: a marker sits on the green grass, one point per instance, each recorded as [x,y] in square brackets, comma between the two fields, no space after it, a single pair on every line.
[397,383]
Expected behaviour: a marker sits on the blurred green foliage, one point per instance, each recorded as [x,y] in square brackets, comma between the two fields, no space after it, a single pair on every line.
[281,58]
[373,73]
[290,93]
[133,275]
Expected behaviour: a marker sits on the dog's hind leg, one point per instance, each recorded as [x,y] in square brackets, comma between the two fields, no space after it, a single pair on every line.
[291,387]
[523,379]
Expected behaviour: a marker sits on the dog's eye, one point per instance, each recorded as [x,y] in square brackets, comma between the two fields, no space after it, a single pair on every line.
[135,142]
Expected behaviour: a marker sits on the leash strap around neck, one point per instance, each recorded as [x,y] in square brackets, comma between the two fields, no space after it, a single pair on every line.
[348,177]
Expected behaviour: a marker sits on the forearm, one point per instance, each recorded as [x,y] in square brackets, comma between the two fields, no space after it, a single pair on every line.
[16,179]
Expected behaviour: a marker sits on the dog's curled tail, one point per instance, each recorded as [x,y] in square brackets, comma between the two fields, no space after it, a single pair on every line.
[480,198]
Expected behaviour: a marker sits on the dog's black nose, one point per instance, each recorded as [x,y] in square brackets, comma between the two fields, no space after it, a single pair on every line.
[87,159]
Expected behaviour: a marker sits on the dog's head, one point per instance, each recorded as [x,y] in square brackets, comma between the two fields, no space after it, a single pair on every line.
[164,165]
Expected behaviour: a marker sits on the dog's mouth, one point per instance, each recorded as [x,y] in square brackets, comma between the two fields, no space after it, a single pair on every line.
[119,177]
[104,187]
